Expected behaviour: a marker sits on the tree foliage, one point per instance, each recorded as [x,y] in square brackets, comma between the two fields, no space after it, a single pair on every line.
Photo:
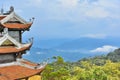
[96,68]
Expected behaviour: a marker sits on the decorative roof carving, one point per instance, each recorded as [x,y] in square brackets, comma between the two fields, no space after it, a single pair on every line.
[19,47]
[11,9]
[12,15]
[14,21]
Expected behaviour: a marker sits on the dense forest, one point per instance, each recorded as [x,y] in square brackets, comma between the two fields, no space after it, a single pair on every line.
[104,67]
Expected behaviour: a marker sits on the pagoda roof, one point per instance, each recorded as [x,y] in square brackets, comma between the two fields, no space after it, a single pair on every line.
[20,70]
[12,49]
[17,26]
[17,72]
[18,47]
[1,17]
[13,21]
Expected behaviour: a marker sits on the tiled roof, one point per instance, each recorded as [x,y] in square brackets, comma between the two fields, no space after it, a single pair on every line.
[1,17]
[2,77]
[17,72]
[12,49]
[28,63]
[13,21]
[17,25]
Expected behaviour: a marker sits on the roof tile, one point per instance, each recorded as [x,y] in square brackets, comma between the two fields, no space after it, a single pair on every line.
[12,49]
[17,25]
[2,17]
[17,72]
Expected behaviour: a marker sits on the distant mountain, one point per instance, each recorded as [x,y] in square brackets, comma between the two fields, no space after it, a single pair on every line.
[49,43]
[39,55]
[69,49]
[88,43]
[80,43]
[114,56]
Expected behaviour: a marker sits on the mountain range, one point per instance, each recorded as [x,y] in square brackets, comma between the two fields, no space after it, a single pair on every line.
[69,49]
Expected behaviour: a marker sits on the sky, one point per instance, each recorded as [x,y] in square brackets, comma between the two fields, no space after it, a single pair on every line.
[69,18]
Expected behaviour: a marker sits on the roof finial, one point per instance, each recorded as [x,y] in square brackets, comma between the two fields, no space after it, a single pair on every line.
[2,10]
[33,18]
[11,9]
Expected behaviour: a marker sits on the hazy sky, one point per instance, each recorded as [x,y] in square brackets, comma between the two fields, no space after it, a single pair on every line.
[69,18]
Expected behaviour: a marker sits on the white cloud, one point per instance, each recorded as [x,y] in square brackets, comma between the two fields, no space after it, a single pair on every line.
[105,48]
[95,35]
[109,3]
[40,53]
[96,9]
[35,3]
[68,3]
[97,12]
[78,8]
[103,9]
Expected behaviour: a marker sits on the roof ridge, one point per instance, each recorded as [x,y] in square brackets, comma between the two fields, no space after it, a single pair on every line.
[20,63]
[12,15]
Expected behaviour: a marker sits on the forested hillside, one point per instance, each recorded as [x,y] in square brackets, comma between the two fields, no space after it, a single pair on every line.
[104,67]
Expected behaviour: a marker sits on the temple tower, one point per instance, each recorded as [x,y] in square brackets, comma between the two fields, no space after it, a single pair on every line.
[12,48]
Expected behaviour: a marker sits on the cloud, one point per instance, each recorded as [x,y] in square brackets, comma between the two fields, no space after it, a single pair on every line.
[103,9]
[78,8]
[105,48]
[87,16]
[86,8]
[40,53]
[97,13]
[95,35]
[68,3]
[35,3]
[90,18]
